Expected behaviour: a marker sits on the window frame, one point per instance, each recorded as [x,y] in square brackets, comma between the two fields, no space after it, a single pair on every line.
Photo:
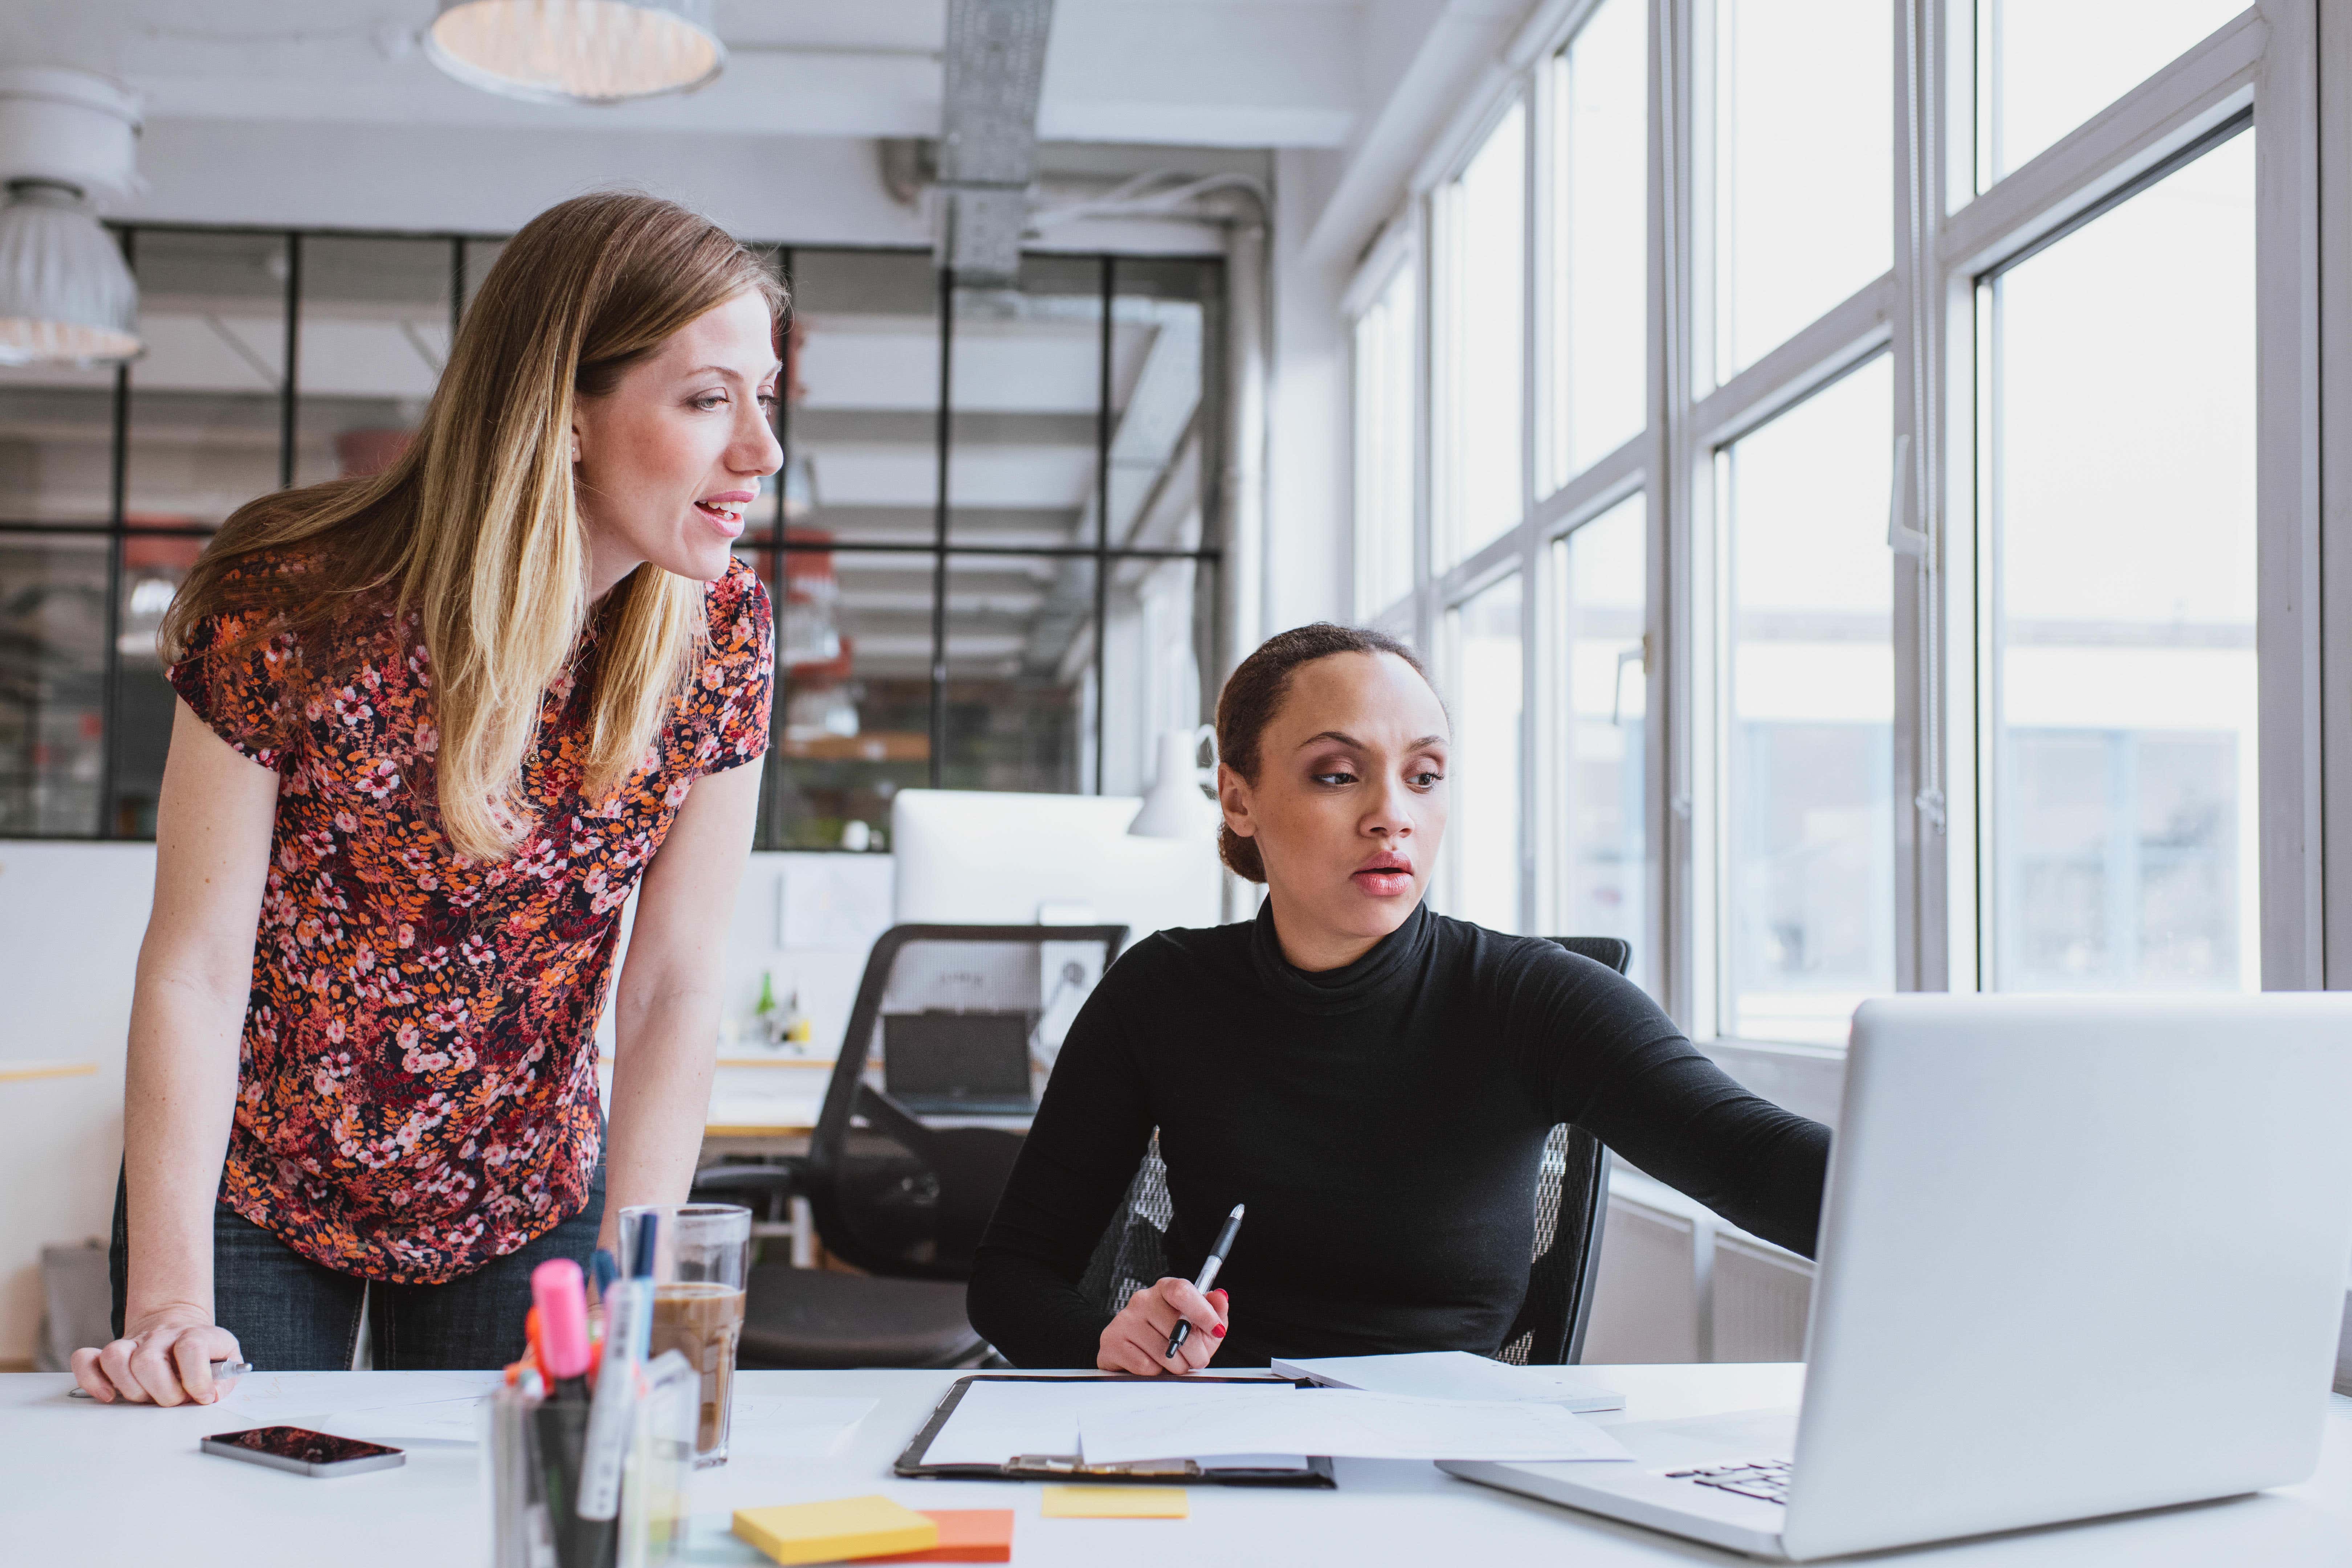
[1921,312]
[764,542]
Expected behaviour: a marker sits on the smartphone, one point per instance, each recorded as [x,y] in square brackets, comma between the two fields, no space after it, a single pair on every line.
[305,1453]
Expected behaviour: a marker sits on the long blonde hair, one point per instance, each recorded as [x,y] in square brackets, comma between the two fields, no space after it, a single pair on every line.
[476,526]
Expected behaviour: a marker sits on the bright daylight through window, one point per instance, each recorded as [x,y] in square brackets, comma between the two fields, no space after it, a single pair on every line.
[1482,226]
[1809,791]
[1802,168]
[2047,66]
[1482,837]
[1600,237]
[2120,376]
[1599,586]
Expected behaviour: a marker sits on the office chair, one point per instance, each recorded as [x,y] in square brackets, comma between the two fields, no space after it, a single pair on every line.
[902,1174]
[1571,1199]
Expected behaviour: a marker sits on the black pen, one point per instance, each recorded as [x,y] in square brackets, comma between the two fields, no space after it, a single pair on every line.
[1216,1261]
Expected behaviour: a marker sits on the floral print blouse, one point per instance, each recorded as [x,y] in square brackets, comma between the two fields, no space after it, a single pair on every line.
[417,1090]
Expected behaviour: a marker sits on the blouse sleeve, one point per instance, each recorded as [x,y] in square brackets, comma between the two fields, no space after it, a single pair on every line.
[739,673]
[240,680]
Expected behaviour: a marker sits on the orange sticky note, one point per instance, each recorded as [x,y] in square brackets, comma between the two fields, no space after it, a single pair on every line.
[966,1535]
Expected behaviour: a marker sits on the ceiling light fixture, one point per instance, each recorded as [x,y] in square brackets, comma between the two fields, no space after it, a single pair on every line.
[577,51]
[66,296]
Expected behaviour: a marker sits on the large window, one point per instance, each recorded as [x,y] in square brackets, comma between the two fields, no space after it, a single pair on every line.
[1483,841]
[1809,876]
[1597,367]
[2046,66]
[992,551]
[1882,585]
[1482,231]
[1601,588]
[2121,504]
[1803,165]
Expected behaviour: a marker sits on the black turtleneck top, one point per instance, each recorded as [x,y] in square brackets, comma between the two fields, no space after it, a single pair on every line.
[1384,1122]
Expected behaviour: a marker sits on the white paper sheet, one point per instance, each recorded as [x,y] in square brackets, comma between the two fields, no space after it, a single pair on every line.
[1455,1375]
[777,1427]
[997,1419]
[1346,1423]
[443,1421]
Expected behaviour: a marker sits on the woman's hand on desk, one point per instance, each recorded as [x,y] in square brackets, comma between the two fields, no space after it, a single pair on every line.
[1137,1339]
[163,1358]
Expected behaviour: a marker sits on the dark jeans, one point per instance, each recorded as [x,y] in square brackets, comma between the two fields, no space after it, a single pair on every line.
[290,1314]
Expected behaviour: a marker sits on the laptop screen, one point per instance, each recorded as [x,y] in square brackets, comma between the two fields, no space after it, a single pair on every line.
[938,1056]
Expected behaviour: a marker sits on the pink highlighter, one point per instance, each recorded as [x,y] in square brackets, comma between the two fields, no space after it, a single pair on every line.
[560,1424]
[561,1295]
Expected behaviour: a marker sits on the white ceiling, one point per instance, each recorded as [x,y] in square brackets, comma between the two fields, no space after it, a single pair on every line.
[1229,73]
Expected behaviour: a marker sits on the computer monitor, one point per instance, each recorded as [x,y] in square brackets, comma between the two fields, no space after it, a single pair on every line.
[988,857]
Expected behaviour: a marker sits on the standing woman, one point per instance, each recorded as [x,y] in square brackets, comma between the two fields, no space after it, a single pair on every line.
[434,727]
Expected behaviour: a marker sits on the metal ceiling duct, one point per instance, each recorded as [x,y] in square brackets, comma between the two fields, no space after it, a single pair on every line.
[577,51]
[66,298]
[988,135]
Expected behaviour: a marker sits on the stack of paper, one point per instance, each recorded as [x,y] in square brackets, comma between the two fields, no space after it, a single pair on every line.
[1344,1424]
[1455,1375]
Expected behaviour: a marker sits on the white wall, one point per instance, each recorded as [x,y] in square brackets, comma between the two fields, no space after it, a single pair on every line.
[70,919]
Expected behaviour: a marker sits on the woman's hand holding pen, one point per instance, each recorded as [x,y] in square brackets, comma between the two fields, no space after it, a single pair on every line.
[1137,1339]
[163,1358]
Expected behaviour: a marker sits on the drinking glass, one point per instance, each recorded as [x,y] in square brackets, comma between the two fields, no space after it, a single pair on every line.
[700,1252]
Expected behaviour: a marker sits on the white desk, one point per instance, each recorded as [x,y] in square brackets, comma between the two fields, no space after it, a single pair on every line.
[86,1484]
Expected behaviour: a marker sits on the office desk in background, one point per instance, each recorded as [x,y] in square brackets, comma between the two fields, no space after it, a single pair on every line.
[765,1105]
[84,1484]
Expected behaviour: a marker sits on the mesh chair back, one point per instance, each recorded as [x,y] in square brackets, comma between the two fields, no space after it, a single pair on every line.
[1572,1200]
[904,1187]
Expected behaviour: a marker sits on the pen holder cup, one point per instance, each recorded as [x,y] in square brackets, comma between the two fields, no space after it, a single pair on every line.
[651,1529]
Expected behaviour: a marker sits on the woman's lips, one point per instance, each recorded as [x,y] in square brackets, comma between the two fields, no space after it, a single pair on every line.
[726,520]
[1384,880]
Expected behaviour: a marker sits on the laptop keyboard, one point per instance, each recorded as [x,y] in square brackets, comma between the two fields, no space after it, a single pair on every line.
[1767,1479]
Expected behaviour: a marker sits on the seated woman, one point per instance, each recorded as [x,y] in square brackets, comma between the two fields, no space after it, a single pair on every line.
[1375,1081]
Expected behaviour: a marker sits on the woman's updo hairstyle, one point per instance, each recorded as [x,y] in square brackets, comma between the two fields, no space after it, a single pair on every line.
[1254,694]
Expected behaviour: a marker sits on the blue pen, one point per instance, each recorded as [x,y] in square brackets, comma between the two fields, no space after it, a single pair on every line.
[605,1271]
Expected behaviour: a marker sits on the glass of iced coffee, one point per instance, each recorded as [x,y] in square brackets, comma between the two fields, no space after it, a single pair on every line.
[700,1251]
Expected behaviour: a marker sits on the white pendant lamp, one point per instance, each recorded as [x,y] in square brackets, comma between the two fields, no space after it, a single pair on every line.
[1175,807]
[66,297]
[577,51]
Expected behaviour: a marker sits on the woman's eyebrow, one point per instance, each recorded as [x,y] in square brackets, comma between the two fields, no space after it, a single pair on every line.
[1345,739]
[732,374]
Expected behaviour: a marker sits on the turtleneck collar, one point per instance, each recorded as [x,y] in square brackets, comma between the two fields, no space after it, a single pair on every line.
[1348,987]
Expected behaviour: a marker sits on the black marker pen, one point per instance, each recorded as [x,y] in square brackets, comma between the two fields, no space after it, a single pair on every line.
[1216,1261]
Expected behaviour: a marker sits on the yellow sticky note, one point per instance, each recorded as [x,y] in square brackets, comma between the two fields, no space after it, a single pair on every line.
[830,1532]
[1116,1502]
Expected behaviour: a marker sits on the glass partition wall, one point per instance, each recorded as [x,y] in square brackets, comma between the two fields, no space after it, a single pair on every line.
[991,550]
[1859,428]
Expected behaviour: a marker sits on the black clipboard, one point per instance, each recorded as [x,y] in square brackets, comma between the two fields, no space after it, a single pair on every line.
[1067,1467]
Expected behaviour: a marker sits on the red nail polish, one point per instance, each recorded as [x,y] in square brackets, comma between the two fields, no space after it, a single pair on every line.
[1218,1331]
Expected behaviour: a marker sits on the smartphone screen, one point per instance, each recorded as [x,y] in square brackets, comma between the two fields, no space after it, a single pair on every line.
[298,1443]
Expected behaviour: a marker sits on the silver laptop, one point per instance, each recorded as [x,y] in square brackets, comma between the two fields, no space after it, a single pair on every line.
[2081,1255]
